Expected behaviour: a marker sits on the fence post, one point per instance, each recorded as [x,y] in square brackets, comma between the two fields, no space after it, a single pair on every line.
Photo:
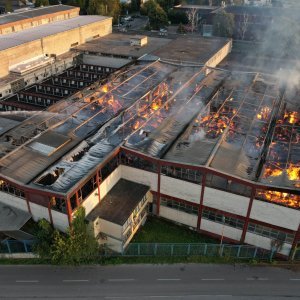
[255,252]
[238,252]
[155,248]
[172,249]
[8,247]
[189,249]
[205,249]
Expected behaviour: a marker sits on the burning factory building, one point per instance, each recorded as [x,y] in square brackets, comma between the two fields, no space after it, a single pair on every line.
[215,150]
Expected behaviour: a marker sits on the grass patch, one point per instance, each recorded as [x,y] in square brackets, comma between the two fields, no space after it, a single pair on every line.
[158,230]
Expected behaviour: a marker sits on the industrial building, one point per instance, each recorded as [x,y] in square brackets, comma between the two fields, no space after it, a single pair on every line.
[166,133]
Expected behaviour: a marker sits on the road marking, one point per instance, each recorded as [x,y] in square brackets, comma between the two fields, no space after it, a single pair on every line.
[168,279]
[294,279]
[207,279]
[262,278]
[121,279]
[250,278]
[75,280]
[27,281]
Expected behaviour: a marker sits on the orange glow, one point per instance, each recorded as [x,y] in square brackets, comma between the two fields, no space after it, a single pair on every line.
[136,125]
[282,198]
[155,106]
[264,113]
[272,171]
[292,117]
[104,88]
[293,172]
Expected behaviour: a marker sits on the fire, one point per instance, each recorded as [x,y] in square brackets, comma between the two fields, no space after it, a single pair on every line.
[136,125]
[280,197]
[114,103]
[155,106]
[264,113]
[293,172]
[272,171]
[104,88]
[291,117]
[214,124]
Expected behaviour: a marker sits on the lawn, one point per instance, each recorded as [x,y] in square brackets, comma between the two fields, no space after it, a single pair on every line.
[158,230]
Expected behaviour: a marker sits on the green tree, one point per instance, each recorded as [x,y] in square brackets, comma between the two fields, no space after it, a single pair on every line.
[110,8]
[157,16]
[39,3]
[135,5]
[8,6]
[77,246]
[177,16]
[223,24]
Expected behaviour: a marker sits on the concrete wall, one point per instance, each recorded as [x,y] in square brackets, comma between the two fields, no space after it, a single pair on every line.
[265,243]
[275,214]
[180,189]
[220,55]
[226,201]
[140,176]
[54,44]
[217,228]
[178,216]
[60,220]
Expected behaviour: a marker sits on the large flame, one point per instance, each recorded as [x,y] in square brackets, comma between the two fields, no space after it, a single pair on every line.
[293,172]
[264,113]
[291,117]
[280,197]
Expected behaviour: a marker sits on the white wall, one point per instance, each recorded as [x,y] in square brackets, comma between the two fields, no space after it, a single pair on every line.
[265,243]
[90,203]
[39,212]
[60,220]
[180,189]
[110,228]
[140,176]
[217,228]
[231,203]
[13,201]
[275,214]
[178,216]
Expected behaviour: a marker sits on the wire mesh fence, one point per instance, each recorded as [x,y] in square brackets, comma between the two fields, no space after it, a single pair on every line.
[209,250]
[13,246]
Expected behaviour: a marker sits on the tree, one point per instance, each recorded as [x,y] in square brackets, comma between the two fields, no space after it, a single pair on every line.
[192,15]
[77,246]
[243,26]
[223,24]
[135,5]
[110,8]
[177,16]
[8,6]
[157,16]
[181,29]
[39,3]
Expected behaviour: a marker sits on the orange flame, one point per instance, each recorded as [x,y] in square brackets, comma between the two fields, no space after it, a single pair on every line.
[280,197]
[293,172]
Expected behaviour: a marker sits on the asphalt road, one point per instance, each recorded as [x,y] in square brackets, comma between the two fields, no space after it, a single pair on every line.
[139,282]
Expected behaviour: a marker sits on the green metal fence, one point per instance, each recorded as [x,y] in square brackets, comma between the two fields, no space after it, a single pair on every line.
[182,249]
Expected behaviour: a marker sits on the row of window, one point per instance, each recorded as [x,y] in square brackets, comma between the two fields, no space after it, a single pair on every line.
[271,233]
[182,206]
[9,189]
[220,218]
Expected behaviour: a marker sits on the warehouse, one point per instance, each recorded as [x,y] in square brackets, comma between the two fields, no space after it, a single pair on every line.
[167,125]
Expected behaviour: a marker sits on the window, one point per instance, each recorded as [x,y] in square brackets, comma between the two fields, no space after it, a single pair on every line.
[182,206]
[220,218]
[271,233]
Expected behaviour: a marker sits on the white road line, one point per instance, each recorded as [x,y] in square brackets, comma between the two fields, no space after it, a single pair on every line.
[27,281]
[121,279]
[294,279]
[76,280]
[168,279]
[207,279]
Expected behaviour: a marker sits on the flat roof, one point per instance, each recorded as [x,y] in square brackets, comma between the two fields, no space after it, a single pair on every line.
[119,44]
[119,203]
[18,38]
[32,13]
[191,49]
